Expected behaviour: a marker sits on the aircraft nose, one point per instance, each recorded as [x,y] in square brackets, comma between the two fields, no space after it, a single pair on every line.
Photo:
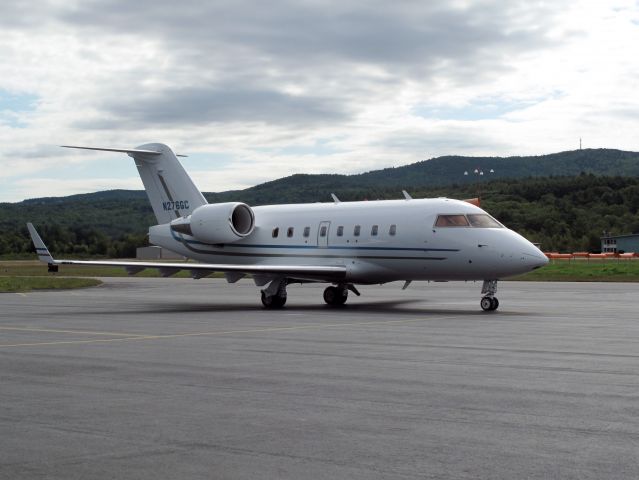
[535,260]
[530,256]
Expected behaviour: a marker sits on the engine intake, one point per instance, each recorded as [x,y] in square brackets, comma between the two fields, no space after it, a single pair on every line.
[217,222]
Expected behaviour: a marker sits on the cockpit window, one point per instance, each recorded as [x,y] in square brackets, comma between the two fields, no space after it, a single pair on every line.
[482,220]
[476,220]
[451,221]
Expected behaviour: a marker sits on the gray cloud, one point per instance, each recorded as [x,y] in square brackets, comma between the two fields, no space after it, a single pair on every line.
[199,105]
[228,61]
[440,140]
[389,32]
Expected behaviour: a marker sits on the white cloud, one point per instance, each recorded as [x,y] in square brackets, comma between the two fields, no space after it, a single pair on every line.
[348,87]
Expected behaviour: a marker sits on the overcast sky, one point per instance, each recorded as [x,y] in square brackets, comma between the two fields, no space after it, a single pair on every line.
[254,91]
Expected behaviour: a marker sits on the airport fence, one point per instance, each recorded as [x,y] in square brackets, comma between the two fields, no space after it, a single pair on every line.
[586,256]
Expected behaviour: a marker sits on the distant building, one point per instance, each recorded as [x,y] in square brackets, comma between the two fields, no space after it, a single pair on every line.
[620,243]
[156,253]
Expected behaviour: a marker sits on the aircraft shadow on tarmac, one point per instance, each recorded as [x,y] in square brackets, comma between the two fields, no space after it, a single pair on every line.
[381,307]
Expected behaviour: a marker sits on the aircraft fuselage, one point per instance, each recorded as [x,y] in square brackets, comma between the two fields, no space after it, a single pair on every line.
[378,241]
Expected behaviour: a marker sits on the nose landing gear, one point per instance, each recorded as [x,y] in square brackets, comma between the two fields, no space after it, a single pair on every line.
[489,302]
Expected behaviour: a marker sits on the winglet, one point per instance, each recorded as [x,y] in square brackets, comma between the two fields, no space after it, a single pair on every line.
[41,248]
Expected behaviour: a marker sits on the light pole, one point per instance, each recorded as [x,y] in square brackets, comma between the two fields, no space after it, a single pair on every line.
[479,173]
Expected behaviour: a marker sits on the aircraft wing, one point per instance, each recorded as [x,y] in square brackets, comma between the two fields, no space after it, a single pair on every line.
[198,270]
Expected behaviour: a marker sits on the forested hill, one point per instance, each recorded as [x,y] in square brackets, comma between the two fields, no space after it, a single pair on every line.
[566,211]
[449,169]
[437,172]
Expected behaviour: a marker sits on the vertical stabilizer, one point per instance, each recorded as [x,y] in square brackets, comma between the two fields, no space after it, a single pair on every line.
[171,191]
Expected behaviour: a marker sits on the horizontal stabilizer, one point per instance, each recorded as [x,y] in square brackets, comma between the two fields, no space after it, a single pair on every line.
[121,150]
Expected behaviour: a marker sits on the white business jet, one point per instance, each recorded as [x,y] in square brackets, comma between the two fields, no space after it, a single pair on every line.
[340,243]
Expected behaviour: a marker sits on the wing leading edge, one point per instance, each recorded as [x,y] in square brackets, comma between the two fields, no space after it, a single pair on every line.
[199,270]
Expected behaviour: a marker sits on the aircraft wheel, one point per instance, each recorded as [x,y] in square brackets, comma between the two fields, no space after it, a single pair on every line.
[273,301]
[267,300]
[330,293]
[342,296]
[495,303]
[486,304]
[335,296]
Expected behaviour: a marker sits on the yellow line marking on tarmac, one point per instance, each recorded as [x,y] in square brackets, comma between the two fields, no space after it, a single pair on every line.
[78,332]
[224,332]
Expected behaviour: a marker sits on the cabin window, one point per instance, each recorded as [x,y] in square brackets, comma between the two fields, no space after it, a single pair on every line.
[356,230]
[392,230]
[323,231]
[276,232]
[340,231]
[483,220]
[307,231]
[374,230]
[451,221]
[289,232]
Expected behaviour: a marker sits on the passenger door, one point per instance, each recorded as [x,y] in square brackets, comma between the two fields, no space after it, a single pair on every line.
[322,234]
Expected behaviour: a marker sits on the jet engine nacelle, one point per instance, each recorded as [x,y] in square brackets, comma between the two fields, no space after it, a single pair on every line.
[217,222]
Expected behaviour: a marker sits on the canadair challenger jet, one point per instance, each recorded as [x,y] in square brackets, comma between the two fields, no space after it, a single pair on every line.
[340,243]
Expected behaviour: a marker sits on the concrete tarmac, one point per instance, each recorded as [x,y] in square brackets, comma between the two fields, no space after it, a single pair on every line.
[174,378]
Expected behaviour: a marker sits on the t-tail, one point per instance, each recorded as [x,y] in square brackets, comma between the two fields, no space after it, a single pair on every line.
[171,191]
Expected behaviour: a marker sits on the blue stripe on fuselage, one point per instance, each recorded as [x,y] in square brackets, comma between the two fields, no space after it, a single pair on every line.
[311,247]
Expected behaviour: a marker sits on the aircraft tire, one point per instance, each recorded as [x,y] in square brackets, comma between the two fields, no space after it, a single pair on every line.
[495,303]
[273,301]
[486,304]
[335,296]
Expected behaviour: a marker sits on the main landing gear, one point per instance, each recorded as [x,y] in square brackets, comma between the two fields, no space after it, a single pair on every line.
[335,296]
[274,296]
[489,302]
[273,301]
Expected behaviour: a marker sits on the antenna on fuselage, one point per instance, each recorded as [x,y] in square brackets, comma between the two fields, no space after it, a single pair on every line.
[406,195]
[335,199]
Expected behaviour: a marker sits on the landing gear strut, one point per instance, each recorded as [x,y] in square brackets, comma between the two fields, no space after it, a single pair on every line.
[489,302]
[274,296]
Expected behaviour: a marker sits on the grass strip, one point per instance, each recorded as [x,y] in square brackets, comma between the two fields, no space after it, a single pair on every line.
[26,284]
[585,271]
